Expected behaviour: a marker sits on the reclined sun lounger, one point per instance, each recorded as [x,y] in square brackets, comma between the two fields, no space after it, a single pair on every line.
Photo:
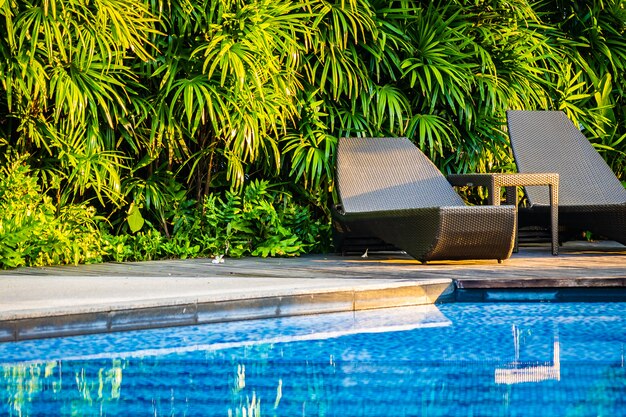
[390,189]
[591,198]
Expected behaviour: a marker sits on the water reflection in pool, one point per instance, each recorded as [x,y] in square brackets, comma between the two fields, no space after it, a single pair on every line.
[461,359]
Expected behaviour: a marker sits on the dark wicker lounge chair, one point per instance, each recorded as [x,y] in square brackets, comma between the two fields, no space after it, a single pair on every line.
[591,198]
[390,189]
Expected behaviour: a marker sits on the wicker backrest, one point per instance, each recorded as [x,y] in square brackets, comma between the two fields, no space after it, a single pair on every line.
[547,141]
[388,174]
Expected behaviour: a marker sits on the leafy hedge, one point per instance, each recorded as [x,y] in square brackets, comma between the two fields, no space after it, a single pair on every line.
[144,109]
[33,231]
[262,221]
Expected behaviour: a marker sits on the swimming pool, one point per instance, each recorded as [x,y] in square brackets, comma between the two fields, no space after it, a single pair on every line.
[518,359]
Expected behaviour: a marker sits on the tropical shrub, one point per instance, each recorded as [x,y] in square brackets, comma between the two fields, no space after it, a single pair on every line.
[33,231]
[157,112]
[70,92]
[262,221]
[590,82]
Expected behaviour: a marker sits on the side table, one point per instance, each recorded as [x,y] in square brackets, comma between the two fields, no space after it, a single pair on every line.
[494,182]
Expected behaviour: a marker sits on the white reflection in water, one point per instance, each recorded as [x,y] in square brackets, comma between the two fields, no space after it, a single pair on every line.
[519,372]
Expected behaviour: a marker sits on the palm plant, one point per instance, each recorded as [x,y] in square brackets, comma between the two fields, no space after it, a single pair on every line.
[141,107]
[222,101]
[68,84]
[595,53]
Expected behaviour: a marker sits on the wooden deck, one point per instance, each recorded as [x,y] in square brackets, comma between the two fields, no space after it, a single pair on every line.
[579,265]
[67,300]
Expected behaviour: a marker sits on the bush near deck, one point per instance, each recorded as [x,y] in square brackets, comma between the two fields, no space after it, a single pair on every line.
[133,112]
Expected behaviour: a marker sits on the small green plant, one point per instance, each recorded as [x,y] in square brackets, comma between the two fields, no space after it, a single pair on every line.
[143,246]
[262,221]
[33,232]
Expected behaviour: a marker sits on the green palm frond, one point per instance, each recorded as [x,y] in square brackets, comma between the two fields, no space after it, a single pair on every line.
[432,133]
[335,65]
[348,122]
[311,156]
[389,105]
[439,68]
[85,167]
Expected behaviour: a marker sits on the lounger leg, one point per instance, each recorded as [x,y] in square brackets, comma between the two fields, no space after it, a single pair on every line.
[511,199]
[554,214]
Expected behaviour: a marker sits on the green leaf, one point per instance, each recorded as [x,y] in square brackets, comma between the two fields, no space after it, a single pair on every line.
[134,218]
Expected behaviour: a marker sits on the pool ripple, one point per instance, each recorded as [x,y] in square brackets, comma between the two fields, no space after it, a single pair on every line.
[515,359]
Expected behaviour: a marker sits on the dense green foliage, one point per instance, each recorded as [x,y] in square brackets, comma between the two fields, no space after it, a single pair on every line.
[146,109]
[261,221]
[34,232]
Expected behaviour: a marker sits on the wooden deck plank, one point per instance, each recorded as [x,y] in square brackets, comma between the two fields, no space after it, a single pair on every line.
[580,264]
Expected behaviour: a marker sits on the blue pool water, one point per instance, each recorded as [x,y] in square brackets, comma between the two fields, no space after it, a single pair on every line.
[525,359]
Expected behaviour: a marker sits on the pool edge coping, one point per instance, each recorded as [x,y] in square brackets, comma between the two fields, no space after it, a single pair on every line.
[186,312]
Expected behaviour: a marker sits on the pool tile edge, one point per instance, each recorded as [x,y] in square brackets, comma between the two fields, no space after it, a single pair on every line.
[413,293]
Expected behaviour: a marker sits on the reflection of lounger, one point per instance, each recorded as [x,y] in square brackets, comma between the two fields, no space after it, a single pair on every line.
[520,372]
